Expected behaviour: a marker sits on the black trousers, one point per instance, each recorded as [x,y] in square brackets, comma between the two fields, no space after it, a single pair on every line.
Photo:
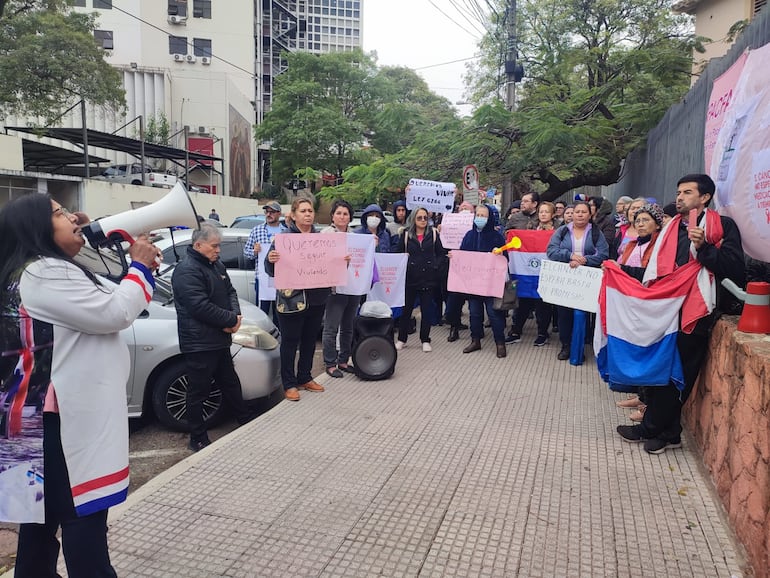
[299,331]
[84,539]
[542,310]
[426,303]
[662,419]
[202,368]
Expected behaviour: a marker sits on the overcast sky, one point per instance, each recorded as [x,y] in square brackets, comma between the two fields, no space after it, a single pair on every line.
[414,33]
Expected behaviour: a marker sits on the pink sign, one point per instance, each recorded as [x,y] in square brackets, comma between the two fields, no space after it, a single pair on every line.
[453,229]
[310,260]
[719,103]
[477,273]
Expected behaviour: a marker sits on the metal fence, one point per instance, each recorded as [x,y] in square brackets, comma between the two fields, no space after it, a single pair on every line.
[675,147]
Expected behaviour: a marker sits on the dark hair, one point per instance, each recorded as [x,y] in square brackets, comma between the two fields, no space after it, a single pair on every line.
[705,184]
[535,196]
[341,203]
[576,203]
[670,210]
[26,233]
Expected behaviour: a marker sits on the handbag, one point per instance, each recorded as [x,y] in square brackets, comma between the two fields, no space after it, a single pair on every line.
[509,300]
[290,300]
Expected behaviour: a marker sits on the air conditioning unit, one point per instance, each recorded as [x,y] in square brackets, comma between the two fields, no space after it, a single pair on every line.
[202,130]
[174,19]
[191,58]
[205,60]
[179,57]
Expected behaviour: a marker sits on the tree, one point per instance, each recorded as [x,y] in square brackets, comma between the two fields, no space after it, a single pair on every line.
[599,75]
[322,109]
[49,60]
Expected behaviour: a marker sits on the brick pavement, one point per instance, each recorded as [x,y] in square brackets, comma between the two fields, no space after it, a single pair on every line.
[460,465]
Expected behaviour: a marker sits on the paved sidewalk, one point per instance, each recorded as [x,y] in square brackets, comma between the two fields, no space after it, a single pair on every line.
[460,465]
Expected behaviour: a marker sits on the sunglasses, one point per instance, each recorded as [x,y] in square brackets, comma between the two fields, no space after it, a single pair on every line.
[421,218]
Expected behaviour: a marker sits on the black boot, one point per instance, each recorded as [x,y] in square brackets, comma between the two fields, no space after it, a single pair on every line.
[454,334]
[501,351]
[474,346]
[564,353]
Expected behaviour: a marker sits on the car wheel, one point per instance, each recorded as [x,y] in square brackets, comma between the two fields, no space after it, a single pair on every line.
[169,396]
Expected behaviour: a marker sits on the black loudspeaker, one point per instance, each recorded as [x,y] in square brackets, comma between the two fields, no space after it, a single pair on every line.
[374,353]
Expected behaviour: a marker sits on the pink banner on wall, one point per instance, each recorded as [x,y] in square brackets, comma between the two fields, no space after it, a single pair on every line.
[310,260]
[719,103]
[477,273]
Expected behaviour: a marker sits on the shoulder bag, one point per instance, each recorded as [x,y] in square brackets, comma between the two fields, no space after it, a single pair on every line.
[290,300]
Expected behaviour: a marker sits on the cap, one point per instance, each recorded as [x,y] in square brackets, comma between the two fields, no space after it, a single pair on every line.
[273,206]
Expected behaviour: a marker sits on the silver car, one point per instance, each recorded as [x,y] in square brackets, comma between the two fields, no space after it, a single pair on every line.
[158,380]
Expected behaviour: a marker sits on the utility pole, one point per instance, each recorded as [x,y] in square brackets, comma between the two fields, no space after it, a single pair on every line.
[510,89]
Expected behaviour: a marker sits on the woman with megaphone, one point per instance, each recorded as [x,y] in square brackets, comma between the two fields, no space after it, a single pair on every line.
[64,370]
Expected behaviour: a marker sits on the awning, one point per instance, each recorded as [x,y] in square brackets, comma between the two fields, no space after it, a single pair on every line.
[117,143]
[47,158]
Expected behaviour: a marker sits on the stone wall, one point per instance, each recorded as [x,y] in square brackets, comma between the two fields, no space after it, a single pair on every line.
[728,414]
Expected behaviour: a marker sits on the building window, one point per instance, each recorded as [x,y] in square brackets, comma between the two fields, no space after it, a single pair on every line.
[177,8]
[103,4]
[758,5]
[201,47]
[177,45]
[202,8]
[104,39]
[79,3]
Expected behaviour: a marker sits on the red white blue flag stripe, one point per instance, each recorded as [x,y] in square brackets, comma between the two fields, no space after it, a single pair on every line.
[524,263]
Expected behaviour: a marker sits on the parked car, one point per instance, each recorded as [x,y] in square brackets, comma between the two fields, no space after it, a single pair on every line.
[240,269]
[131,174]
[158,379]
[250,221]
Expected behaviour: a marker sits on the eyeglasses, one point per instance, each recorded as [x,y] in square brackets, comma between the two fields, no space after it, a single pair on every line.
[271,211]
[62,211]
[642,220]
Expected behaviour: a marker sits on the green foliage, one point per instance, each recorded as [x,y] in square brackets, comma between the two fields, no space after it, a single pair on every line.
[598,76]
[49,61]
[158,129]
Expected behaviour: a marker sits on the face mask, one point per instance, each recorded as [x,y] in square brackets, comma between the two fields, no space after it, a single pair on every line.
[372,222]
[480,222]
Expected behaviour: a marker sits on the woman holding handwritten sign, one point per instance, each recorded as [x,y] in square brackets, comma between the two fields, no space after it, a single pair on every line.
[421,242]
[300,314]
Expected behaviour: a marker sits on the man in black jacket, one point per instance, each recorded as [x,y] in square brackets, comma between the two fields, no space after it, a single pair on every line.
[661,428]
[208,314]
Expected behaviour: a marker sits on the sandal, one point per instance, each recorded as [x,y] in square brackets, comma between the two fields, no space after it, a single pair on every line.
[346,368]
[333,372]
[638,415]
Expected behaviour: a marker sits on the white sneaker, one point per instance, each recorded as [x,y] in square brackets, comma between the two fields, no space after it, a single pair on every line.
[426,347]
[400,345]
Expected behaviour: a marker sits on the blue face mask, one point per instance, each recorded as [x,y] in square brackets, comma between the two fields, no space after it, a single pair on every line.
[480,222]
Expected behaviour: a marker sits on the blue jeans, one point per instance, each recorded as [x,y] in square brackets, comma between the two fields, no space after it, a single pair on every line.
[496,318]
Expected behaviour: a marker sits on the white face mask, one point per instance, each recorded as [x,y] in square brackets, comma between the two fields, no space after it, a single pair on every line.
[372,222]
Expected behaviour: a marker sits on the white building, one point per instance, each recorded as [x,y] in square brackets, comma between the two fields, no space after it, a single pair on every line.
[192,61]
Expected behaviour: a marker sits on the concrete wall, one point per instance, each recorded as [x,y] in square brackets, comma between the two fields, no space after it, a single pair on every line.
[728,414]
[11,153]
[100,198]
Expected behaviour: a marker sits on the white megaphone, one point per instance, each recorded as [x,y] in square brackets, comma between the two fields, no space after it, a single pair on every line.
[174,210]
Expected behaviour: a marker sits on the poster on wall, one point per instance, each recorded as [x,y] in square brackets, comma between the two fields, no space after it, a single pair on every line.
[240,155]
[740,164]
[719,103]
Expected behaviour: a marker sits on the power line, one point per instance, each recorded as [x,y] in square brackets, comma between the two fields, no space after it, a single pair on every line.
[469,18]
[472,34]
[449,62]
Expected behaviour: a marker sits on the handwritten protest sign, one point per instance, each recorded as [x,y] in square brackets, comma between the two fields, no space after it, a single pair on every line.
[453,229]
[310,260]
[577,288]
[266,282]
[391,268]
[361,251]
[477,273]
[432,195]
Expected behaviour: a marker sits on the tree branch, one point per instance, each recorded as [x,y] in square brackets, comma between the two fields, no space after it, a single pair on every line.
[557,186]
